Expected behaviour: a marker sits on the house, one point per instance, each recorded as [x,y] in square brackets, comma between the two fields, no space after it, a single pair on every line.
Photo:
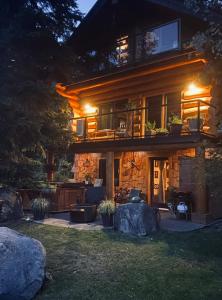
[143,74]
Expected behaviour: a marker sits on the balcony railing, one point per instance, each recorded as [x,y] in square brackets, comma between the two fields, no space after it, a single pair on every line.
[197,118]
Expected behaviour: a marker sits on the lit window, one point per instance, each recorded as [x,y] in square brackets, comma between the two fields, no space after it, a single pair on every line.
[122,50]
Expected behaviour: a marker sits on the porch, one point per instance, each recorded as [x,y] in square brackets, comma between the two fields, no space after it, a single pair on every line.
[152,172]
[153,124]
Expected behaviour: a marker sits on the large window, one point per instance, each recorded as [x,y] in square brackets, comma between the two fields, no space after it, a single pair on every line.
[161,107]
[160,39]
[154,112]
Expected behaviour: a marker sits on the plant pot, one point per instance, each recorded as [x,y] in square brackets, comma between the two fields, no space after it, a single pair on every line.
[38,216]
[107,220]
[162,133]
[150,132]
[193,124]
[175,129]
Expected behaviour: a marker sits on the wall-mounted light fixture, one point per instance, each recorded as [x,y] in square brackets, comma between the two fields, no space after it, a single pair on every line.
[193,89]
[89,109]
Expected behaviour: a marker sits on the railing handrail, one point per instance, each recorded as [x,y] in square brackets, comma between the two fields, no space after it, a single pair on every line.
[110,113]
[138,109]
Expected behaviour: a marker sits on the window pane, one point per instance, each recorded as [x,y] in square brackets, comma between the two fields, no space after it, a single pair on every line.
[105,122]
[154,105]
[162,39]
[173,104]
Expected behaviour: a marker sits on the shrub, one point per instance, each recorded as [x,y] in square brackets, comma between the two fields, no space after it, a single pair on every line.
[107,207]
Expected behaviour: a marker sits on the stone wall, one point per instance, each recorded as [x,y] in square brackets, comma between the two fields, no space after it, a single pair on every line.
[131,175]
[86,164]
[174,166]
[134,176]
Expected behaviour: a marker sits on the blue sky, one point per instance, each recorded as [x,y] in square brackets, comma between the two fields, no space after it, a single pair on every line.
[85,5]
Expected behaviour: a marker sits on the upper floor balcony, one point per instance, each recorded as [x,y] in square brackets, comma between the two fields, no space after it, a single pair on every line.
[161,120]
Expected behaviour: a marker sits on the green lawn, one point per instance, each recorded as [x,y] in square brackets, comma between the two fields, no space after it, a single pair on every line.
[107,265]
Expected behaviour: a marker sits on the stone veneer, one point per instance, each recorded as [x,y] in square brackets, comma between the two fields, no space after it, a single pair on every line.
[130,177]
[86,164]
[134,176]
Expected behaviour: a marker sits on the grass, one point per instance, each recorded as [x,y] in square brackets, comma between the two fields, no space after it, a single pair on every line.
[111,266]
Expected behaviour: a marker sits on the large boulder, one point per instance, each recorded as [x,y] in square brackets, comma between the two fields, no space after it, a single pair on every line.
[10,205]
[22,265]
[135,218]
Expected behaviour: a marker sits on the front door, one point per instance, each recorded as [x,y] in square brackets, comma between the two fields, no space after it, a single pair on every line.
[159,181]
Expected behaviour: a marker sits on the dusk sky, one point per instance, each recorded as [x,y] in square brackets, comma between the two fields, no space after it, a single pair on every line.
[85,5]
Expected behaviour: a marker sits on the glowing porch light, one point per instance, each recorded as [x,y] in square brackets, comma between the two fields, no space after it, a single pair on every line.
[193,89]
[89,109]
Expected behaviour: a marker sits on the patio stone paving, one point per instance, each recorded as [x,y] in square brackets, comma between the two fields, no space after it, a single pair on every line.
[168,223]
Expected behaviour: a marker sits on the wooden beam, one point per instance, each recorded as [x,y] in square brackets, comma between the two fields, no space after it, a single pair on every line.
[107,80]
[110,175]
[142,80]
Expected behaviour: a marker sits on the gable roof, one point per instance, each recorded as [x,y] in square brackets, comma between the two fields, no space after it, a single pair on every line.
[175,5]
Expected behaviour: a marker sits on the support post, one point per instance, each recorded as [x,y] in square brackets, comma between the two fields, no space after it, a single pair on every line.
[200,192]
[50,158]
[110,175]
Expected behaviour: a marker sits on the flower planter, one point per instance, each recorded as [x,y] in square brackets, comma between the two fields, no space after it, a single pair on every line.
[150,132]
[38,216]
[107,220]
[175,129]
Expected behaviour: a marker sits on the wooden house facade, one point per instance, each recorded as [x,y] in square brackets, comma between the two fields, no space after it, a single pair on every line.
[143,75]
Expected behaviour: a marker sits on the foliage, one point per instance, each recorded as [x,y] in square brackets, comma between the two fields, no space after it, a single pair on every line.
[162,131]
[34,119]
[174,119]
[64,170]
[214,174]
[40,206]
[107,207]
[209,40]
[150,125]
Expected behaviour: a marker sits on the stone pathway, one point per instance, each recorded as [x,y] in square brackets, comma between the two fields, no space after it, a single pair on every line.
[168,223]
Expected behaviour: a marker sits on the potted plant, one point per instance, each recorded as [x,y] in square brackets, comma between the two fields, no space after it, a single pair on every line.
[40,207]
[175,124]
[194,125]
[150,128]
[162,131]
[107,209]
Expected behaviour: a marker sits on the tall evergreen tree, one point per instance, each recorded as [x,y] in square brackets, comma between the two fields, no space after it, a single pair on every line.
[34,56]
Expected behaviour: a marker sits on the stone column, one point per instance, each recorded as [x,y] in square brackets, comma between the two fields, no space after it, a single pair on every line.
[110,174]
